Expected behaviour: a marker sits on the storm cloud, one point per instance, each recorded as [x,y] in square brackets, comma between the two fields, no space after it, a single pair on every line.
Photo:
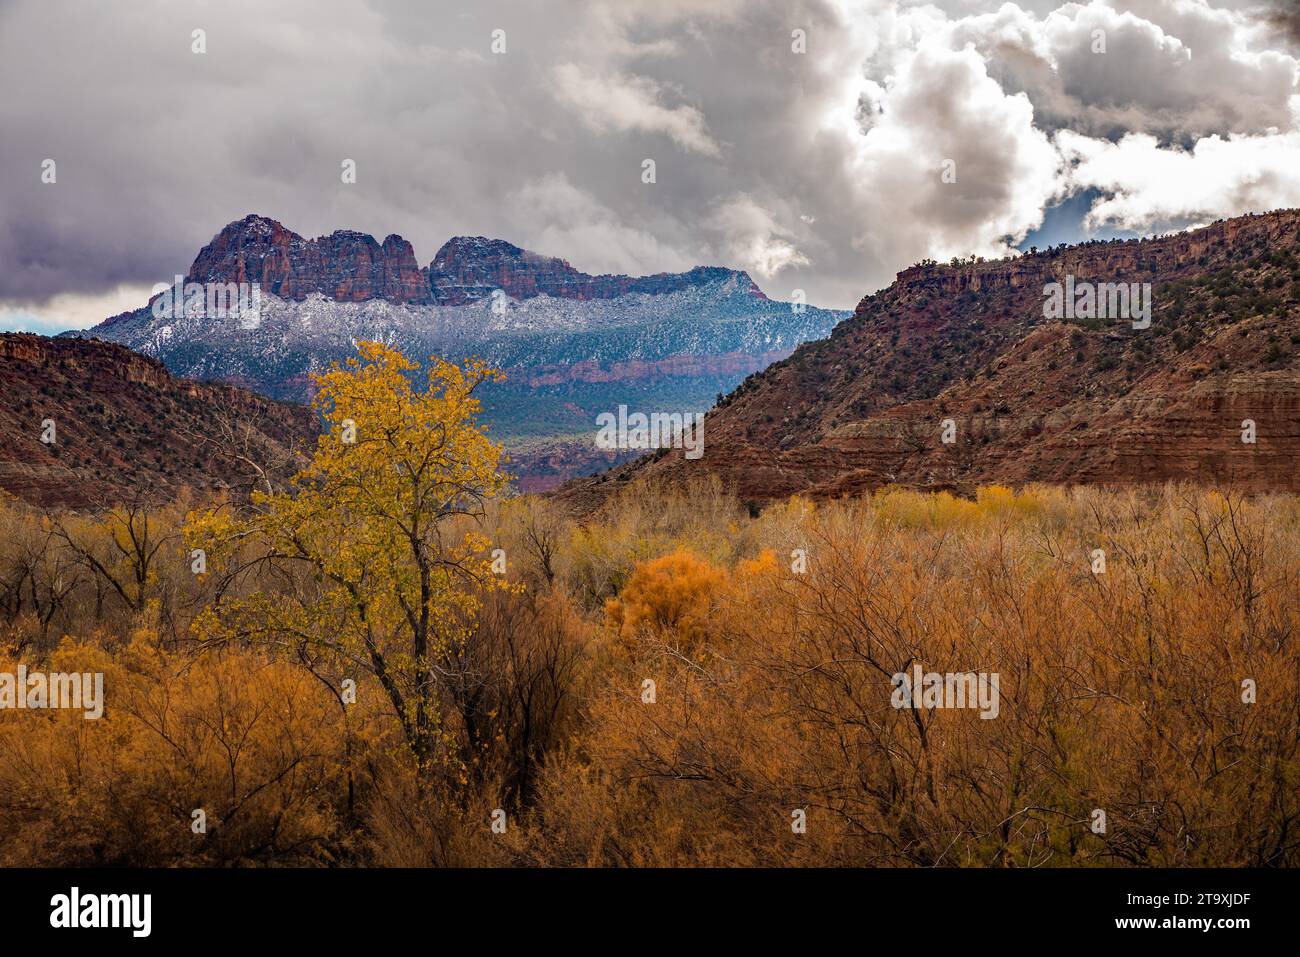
[902,131]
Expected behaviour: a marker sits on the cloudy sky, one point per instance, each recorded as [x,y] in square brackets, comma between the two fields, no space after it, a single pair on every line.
[822,170]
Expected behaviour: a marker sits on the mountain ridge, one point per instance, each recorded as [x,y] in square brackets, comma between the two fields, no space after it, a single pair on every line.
[347,265]
[1032,398]
[572,345]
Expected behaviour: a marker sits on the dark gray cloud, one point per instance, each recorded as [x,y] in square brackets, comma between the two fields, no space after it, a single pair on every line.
[819,171]
[1284,15]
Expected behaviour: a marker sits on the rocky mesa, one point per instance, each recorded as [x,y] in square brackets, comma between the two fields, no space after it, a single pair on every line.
[351,266]
[957,375]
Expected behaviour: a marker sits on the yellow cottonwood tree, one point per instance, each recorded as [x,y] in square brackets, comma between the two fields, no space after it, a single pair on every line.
[372,577]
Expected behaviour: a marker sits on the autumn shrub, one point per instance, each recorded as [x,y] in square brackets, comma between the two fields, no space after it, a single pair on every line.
[647,521]
[256,745]
[1158,691]
[673,595]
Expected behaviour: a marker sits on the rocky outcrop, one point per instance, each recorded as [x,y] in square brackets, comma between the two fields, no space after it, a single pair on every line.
[345,265]
[23,351]
[353,268]
[469,268]
[1103,261]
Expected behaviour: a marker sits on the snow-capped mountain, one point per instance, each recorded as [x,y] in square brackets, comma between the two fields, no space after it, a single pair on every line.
[573,345]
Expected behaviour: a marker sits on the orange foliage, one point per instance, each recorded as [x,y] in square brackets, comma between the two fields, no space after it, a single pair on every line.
[1160,690]
[673,594]
[259,746]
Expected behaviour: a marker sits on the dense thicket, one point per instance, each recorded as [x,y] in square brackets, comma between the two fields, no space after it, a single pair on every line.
[770,643]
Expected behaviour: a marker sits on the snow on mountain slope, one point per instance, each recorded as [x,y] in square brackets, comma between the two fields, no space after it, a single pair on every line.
[572,345]
[292,339]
